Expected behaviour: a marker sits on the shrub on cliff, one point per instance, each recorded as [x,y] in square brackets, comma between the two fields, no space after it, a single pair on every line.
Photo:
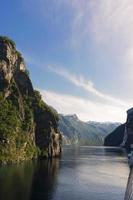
[15,145]
[8,41]
[27,124]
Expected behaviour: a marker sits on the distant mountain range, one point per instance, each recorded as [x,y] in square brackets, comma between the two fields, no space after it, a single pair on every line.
[76,131]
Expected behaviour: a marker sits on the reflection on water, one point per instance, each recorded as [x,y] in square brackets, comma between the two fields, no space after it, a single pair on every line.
[83,173]
[15,181]
[45,180]
[30,180]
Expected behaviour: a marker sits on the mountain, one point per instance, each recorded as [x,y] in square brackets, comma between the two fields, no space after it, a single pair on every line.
[76,131]
[115,138]
[28,126]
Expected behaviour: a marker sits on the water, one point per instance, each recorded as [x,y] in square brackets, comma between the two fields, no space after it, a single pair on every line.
[83,173]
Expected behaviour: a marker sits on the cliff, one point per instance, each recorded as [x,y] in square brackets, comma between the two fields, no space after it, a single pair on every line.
[115,138]
[28,126]
[89,133]
[118,137]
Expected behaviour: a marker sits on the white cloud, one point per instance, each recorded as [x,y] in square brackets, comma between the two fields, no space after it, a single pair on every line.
[85,109]
[108,24]
[106,19]
[128,62]
[88,86]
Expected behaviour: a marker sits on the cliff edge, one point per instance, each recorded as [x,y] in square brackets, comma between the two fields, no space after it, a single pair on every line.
[28,126]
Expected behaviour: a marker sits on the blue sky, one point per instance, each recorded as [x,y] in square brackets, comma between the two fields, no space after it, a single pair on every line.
[79,53]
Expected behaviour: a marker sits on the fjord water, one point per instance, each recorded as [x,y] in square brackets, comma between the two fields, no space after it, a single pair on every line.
[82,173]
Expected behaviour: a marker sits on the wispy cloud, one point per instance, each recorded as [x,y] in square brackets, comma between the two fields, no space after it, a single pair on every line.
[104,19]
[87,85]
[85,109]
[106,23]
[109,25]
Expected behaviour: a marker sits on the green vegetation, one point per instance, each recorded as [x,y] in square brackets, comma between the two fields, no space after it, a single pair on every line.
[8,40]
[8,118]
[46,107]
[20,56]
[27,124]
[15,143]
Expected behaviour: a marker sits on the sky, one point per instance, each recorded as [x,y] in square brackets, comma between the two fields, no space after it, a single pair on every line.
[79,53]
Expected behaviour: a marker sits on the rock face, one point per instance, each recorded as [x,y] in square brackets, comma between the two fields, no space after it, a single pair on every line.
[90,133]
[28,126]
[116,137]
[119,135]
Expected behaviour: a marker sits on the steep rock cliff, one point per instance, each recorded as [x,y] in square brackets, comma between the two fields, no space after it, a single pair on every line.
[115,138]
[119,135]
[28,126]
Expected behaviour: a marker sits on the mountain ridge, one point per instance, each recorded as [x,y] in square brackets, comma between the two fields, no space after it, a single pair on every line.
[79,132]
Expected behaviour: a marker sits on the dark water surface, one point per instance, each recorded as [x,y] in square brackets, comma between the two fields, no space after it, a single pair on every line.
[83,173]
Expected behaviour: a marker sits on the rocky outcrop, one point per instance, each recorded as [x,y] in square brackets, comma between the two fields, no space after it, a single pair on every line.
[28,126]
[115,138]
[119,135]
